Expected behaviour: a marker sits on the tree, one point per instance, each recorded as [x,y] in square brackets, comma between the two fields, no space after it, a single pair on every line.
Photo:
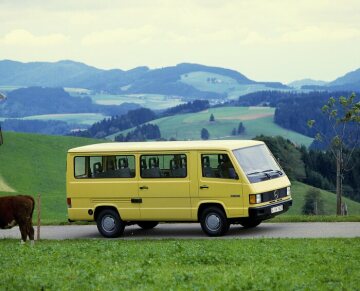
[1,137]
[212,118]
[343,115]
[314,204]
[241,128]
[205,135]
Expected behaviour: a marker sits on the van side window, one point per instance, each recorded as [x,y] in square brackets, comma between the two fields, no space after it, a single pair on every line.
[163,166]
[217,166]
[105,167]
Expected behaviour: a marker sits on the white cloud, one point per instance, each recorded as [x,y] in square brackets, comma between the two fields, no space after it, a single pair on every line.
[320,34]
[21,37]
[277,39]
[121,36]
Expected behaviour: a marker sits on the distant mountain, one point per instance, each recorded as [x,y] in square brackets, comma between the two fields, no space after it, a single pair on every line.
[306,82]
[348,82]
[141,80]
[65,74]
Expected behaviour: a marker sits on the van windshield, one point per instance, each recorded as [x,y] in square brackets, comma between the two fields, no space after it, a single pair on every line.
[258,163]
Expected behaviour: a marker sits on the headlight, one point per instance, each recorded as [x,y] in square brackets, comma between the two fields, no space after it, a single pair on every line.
[288,191]
[255,198]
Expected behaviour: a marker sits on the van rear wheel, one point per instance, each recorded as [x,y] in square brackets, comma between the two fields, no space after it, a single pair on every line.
[147,224]
[214,222]
[110,224]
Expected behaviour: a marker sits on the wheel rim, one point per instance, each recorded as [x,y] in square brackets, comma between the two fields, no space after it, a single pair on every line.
[108,223]
[213,222]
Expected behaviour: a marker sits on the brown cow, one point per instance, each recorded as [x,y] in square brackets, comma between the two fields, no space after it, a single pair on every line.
[18,210]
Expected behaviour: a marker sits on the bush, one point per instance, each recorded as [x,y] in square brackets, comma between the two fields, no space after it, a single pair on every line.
[314,204]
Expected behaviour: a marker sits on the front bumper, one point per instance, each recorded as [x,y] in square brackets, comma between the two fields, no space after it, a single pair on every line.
[264,212]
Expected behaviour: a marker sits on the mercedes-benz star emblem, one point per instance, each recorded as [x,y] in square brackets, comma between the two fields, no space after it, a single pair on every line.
[276,194]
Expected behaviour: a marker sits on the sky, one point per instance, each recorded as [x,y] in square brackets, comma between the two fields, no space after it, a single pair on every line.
[266,40]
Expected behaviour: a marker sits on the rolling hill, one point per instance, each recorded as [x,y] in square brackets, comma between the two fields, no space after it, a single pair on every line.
[257,120]
[142,80]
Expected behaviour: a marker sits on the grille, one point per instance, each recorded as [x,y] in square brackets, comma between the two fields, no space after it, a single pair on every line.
[273,195]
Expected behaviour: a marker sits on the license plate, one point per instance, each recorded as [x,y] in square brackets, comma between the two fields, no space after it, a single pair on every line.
[277,208]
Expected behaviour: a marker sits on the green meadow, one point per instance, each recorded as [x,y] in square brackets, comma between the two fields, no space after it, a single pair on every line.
[35,164]
[246,264]
[257,121]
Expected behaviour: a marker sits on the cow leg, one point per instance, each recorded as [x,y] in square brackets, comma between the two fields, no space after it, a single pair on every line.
[30,231]
[23,231]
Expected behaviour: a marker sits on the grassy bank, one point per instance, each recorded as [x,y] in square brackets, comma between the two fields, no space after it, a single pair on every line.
[262,264]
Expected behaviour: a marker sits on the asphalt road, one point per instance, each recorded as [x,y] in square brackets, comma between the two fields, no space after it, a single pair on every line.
[193,231]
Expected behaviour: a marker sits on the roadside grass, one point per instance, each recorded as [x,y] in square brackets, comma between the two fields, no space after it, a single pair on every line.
[257,121]
[299,190]
[254,264]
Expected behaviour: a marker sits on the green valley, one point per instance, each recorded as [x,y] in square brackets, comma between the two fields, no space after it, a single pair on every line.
[257,121]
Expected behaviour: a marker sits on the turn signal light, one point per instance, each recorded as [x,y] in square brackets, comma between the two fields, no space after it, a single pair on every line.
[255,198]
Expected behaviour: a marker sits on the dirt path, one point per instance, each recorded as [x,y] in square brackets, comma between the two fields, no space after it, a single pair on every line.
[246,116]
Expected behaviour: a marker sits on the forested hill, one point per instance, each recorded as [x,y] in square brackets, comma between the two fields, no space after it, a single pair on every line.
[37,100]
[294,113]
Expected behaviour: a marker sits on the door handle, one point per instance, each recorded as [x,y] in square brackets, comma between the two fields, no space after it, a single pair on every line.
[136,200]
[204,187]
[144,187]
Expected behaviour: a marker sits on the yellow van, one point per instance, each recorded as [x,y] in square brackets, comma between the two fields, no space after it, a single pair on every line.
[217,183]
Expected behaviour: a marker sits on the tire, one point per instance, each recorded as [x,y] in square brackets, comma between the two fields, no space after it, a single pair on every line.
[110,224]
[247,223]
[214,222]
[147,224]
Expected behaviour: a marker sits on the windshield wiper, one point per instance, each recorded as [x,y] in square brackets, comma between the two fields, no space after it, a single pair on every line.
[253,173]
[271,170]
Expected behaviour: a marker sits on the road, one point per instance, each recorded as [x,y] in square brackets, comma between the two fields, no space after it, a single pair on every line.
[193,231]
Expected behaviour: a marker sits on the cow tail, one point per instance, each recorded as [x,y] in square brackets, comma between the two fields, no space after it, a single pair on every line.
[33,205]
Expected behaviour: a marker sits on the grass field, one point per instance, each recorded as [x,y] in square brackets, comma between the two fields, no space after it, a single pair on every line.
[152,101]
[34,164]
[261,264]
[257,120]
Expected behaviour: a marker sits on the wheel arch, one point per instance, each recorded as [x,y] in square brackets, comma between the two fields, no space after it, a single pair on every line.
[100,208]
[207,204]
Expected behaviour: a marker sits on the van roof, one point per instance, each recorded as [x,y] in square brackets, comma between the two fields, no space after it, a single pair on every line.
[165,145]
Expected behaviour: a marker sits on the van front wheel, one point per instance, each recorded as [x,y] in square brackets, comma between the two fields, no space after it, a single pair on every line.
[110,224]
[214,222]
[147,224]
